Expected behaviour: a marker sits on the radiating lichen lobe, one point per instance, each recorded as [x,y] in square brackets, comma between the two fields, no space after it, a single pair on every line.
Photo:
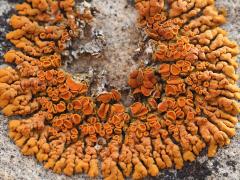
[186,99]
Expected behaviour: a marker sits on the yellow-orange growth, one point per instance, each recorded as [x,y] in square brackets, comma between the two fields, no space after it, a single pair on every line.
[187,99]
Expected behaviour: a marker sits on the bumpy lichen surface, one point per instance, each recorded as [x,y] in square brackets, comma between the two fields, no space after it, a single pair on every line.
[185,101]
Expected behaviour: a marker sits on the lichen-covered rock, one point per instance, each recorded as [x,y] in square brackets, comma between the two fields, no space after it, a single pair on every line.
[186,99]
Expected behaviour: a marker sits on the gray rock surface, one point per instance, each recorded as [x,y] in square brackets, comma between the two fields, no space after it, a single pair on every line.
[116,19]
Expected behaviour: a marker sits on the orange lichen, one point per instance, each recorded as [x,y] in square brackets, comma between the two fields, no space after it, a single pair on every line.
[138,109]
[144,81]
[106,97]
[185,100]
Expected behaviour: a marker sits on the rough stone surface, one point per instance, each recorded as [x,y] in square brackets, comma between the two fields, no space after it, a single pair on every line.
[116,19]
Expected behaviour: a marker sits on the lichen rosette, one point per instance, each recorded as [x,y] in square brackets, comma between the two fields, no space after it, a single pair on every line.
[186,99]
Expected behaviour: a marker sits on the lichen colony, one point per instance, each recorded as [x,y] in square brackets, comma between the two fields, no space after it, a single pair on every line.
[185,100]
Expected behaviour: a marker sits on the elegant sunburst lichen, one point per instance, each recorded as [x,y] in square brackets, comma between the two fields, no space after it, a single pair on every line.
[186,99]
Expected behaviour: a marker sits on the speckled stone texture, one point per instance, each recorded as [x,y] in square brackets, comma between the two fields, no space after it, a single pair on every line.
[116,19]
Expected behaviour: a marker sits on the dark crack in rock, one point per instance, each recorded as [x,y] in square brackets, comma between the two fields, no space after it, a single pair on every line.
[4,28]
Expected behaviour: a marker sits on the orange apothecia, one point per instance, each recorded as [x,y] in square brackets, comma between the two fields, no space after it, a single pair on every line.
[186,99]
